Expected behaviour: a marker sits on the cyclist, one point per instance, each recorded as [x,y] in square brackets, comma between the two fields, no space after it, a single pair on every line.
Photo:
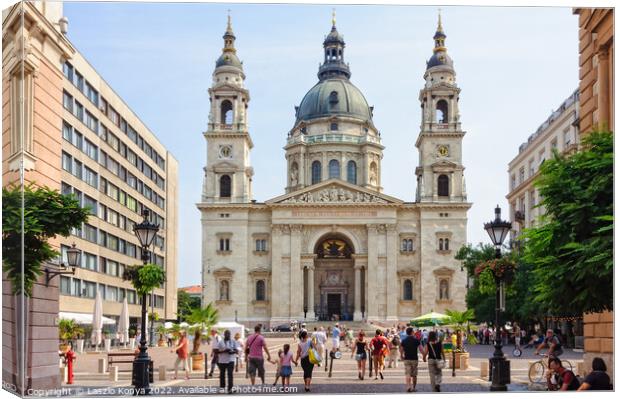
[553,343]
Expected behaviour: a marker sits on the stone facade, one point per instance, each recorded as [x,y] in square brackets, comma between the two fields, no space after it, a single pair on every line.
[334,245]
[596,68]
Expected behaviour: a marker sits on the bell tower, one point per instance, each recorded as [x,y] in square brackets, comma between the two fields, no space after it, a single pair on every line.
[440,175]
[228,173]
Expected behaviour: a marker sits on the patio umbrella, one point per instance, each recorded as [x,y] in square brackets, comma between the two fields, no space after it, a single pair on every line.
[123,323]
[430,319]
[97,320]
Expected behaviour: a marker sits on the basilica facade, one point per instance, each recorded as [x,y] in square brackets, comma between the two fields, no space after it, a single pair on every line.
[333,245]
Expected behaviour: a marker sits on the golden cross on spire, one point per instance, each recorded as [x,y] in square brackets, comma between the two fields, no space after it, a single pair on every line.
[439,27]
[229,23]
[333,17]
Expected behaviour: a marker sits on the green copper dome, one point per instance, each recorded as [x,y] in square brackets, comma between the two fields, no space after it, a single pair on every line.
[334,97]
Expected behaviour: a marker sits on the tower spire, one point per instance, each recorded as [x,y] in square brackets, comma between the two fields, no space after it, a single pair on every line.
[229,37]
[333,17]
[440,36]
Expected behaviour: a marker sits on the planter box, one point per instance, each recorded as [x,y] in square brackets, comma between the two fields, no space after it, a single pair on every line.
[107,344]
[461,359]
[198,362]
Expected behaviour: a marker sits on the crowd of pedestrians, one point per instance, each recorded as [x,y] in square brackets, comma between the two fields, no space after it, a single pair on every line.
[388,347]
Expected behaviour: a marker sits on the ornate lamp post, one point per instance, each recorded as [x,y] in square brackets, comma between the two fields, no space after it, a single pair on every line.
[500,367]
[73,259]
[145,231]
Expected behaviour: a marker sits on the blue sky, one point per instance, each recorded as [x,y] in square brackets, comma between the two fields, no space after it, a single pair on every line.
[514,65]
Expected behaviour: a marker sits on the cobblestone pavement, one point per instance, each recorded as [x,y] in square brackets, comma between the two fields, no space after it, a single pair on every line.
[344,375]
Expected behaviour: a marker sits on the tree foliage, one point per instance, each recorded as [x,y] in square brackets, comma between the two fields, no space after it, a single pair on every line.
[144,277]
[480,295]
[186,304]
[571,251]
[46,213]
[203,319]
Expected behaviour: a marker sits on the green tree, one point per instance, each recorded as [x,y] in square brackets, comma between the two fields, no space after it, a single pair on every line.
[478,298]
[186,304]
[46,214]
[203,319]
[571,251]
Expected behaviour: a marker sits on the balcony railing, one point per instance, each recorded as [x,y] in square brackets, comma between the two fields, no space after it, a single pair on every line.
[333,138]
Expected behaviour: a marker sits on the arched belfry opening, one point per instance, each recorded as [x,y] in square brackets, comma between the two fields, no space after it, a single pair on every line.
[441,111]
[332,283]
[226,112]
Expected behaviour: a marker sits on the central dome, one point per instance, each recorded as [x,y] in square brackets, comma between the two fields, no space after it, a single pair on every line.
[334,97]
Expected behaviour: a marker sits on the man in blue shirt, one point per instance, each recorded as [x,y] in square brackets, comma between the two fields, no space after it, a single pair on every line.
[335,338]
[409,355]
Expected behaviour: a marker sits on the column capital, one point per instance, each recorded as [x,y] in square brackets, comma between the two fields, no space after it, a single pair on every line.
[372,227]
[390,228]
[295,228]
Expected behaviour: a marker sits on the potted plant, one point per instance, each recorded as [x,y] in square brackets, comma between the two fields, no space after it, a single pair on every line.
[162,331]
[68,330]
[202,319]
[461,322]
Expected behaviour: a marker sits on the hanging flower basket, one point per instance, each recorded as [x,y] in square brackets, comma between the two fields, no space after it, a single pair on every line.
[503,269]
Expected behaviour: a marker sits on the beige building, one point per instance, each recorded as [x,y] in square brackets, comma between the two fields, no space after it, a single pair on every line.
[76,135]
[559,132]
[333,245]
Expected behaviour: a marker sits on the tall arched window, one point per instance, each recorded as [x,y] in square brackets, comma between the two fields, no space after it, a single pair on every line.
[443,186]
[224,291]
[352,172]
[410,245]
[226,115]
[334,169]
[260,290]
[441,111]
[225,186]
[407,290]
[441,244]
[446,244]
[316,172]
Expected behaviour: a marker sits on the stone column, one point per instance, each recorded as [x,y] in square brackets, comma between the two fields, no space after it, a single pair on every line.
[301,171]
[296,306]
[276,272]
[371,277]
[452,186]
[311,315]
[391,277]
[357,313]
[603,88]
[343,167]
[325,167]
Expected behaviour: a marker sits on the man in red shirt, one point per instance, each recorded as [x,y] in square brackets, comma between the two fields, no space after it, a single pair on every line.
[565,380]
[379,346]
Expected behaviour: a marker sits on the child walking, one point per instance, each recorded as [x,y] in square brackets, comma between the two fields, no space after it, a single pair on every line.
[286,369]
[278,363]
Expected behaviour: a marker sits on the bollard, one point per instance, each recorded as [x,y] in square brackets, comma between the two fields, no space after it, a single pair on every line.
[113,374]
[464,363]
[162,372]
[190,361]
[581,370]
[63,374]
[484,369]
[369,363]
[325,358]
[102,365]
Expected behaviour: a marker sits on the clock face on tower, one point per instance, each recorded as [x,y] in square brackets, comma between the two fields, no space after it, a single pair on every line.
[442,151]
[225,151]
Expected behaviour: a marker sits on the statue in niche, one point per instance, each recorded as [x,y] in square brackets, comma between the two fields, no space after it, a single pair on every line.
[443,289]
[294,175]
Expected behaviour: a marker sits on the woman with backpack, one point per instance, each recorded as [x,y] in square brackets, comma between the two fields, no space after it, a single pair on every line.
[303,353]
[394,345]
[359,348]
[436,360]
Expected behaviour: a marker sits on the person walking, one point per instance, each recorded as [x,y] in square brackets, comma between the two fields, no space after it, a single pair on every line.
[436,360]
[348,339]
[286,368]
[239,362]
[394,345]
[359,348]
[227,350]
[278,363]
[408,349]
[215,339]
[379,346]
[303,353]
[517,334]
[182,351]
[335,338]
[254,347]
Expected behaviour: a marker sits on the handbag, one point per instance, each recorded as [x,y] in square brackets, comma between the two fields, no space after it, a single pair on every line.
[441,363]
[313,355]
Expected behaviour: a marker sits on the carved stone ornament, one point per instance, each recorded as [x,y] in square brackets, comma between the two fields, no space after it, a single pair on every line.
[333,194]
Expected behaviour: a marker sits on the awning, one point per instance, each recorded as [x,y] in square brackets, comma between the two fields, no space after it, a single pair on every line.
[83,318]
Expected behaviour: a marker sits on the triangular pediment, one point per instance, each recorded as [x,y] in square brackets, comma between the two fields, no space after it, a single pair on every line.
[444,164]
[334,191]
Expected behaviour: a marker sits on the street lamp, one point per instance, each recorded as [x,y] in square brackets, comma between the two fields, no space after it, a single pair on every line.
[145,231]
[73,259]
[500,367]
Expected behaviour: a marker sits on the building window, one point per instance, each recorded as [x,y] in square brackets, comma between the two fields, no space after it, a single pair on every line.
[65,285]
[260,290]
[91,203]
[67,101]
[352,172]
[444,244]
[513,181]
[226,113]
[67,162]
[521,175]
[316,172]
[225,186]
[90,233]
[334,169]
[333,126]
[224,244]
[224,291]
[443,186]
[261,245]
[407,245]
[442,111]
[89,261]
[408,290]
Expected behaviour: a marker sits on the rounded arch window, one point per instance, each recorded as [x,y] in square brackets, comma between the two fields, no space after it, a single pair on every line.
[441,111]
[334,169]
[316,172]
[408,290]
[260,290]
[226,112]
[443,186]
[225,186]
[352,172]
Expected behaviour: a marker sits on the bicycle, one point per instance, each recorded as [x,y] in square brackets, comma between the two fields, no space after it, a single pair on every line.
[538,369]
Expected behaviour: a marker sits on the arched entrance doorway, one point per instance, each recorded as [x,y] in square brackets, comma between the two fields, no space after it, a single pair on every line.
[333,278]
